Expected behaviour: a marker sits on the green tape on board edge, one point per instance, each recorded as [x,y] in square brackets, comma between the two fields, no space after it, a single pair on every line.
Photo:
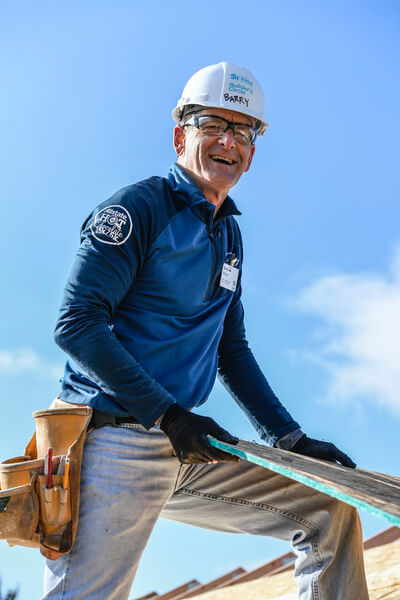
[321,487]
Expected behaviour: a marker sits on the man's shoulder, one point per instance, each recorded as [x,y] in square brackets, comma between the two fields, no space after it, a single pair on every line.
[149,189]
[141,198]
[150,198]
[145,206]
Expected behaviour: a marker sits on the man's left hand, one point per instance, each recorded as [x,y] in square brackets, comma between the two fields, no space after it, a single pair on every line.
[324,450]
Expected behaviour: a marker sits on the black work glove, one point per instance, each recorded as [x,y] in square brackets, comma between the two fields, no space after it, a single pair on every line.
[188,435]
[325,450]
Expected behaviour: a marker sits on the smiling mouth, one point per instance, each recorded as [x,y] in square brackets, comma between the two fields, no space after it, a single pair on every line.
[223,160]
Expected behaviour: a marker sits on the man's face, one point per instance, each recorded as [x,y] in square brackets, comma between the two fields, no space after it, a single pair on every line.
[203,154]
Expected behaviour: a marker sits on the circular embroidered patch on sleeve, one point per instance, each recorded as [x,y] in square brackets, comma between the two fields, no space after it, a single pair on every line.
[112,225]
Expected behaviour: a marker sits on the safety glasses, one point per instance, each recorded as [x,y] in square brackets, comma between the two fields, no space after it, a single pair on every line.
[212,125]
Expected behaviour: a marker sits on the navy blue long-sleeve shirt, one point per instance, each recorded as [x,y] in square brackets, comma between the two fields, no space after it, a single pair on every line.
[144,318]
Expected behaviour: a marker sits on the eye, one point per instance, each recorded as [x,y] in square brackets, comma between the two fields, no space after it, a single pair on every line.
[243,133]
[211,125]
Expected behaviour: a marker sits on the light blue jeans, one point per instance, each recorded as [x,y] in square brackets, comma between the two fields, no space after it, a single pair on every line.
[130,478]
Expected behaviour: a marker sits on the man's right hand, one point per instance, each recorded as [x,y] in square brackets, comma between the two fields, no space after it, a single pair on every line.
[188,435]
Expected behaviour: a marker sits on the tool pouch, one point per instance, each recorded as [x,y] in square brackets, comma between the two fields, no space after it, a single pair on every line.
[19,505]
[55,507]
[64,430]
[19,515]
[53,511]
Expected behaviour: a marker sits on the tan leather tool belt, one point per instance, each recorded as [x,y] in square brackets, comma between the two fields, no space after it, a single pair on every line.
[39,491]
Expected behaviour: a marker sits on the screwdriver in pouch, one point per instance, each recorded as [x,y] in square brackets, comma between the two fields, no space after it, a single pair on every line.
[61,466]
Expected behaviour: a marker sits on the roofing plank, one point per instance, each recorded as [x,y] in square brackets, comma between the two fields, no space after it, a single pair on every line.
[221,581]
[265,569]
[382,567]
[377,493]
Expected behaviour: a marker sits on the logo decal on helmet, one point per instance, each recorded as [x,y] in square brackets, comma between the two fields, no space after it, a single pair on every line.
[240,84]
[112,225]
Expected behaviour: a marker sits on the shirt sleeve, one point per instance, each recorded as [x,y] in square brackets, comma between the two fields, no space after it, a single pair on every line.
[240,374]
[113,247]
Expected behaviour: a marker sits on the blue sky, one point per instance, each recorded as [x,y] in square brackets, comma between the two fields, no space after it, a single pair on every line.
[87,92]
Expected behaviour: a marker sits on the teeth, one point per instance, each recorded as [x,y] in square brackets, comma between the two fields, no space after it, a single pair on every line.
[224,159]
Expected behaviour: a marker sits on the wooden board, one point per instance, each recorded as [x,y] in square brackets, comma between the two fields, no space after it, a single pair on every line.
[377,493]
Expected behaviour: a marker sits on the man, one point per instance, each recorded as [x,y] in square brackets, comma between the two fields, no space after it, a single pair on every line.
[150,312]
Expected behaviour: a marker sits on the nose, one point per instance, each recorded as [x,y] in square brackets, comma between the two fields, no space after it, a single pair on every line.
[227,139]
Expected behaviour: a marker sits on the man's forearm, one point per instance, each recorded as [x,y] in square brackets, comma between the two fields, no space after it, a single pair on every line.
[242,376]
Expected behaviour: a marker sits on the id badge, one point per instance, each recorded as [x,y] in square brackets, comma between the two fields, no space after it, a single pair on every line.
[229,277]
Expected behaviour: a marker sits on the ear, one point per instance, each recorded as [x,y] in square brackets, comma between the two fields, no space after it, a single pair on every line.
[179,140]
[252,150]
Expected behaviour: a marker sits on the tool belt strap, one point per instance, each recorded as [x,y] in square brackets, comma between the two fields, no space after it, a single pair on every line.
[100,419]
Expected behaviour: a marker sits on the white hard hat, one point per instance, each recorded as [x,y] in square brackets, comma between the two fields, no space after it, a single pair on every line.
[224,85]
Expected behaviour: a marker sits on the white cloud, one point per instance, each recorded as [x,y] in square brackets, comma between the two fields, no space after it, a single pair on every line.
[359,341]
[26,360]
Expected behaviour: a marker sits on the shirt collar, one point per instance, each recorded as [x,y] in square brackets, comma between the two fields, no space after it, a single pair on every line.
[180,181]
